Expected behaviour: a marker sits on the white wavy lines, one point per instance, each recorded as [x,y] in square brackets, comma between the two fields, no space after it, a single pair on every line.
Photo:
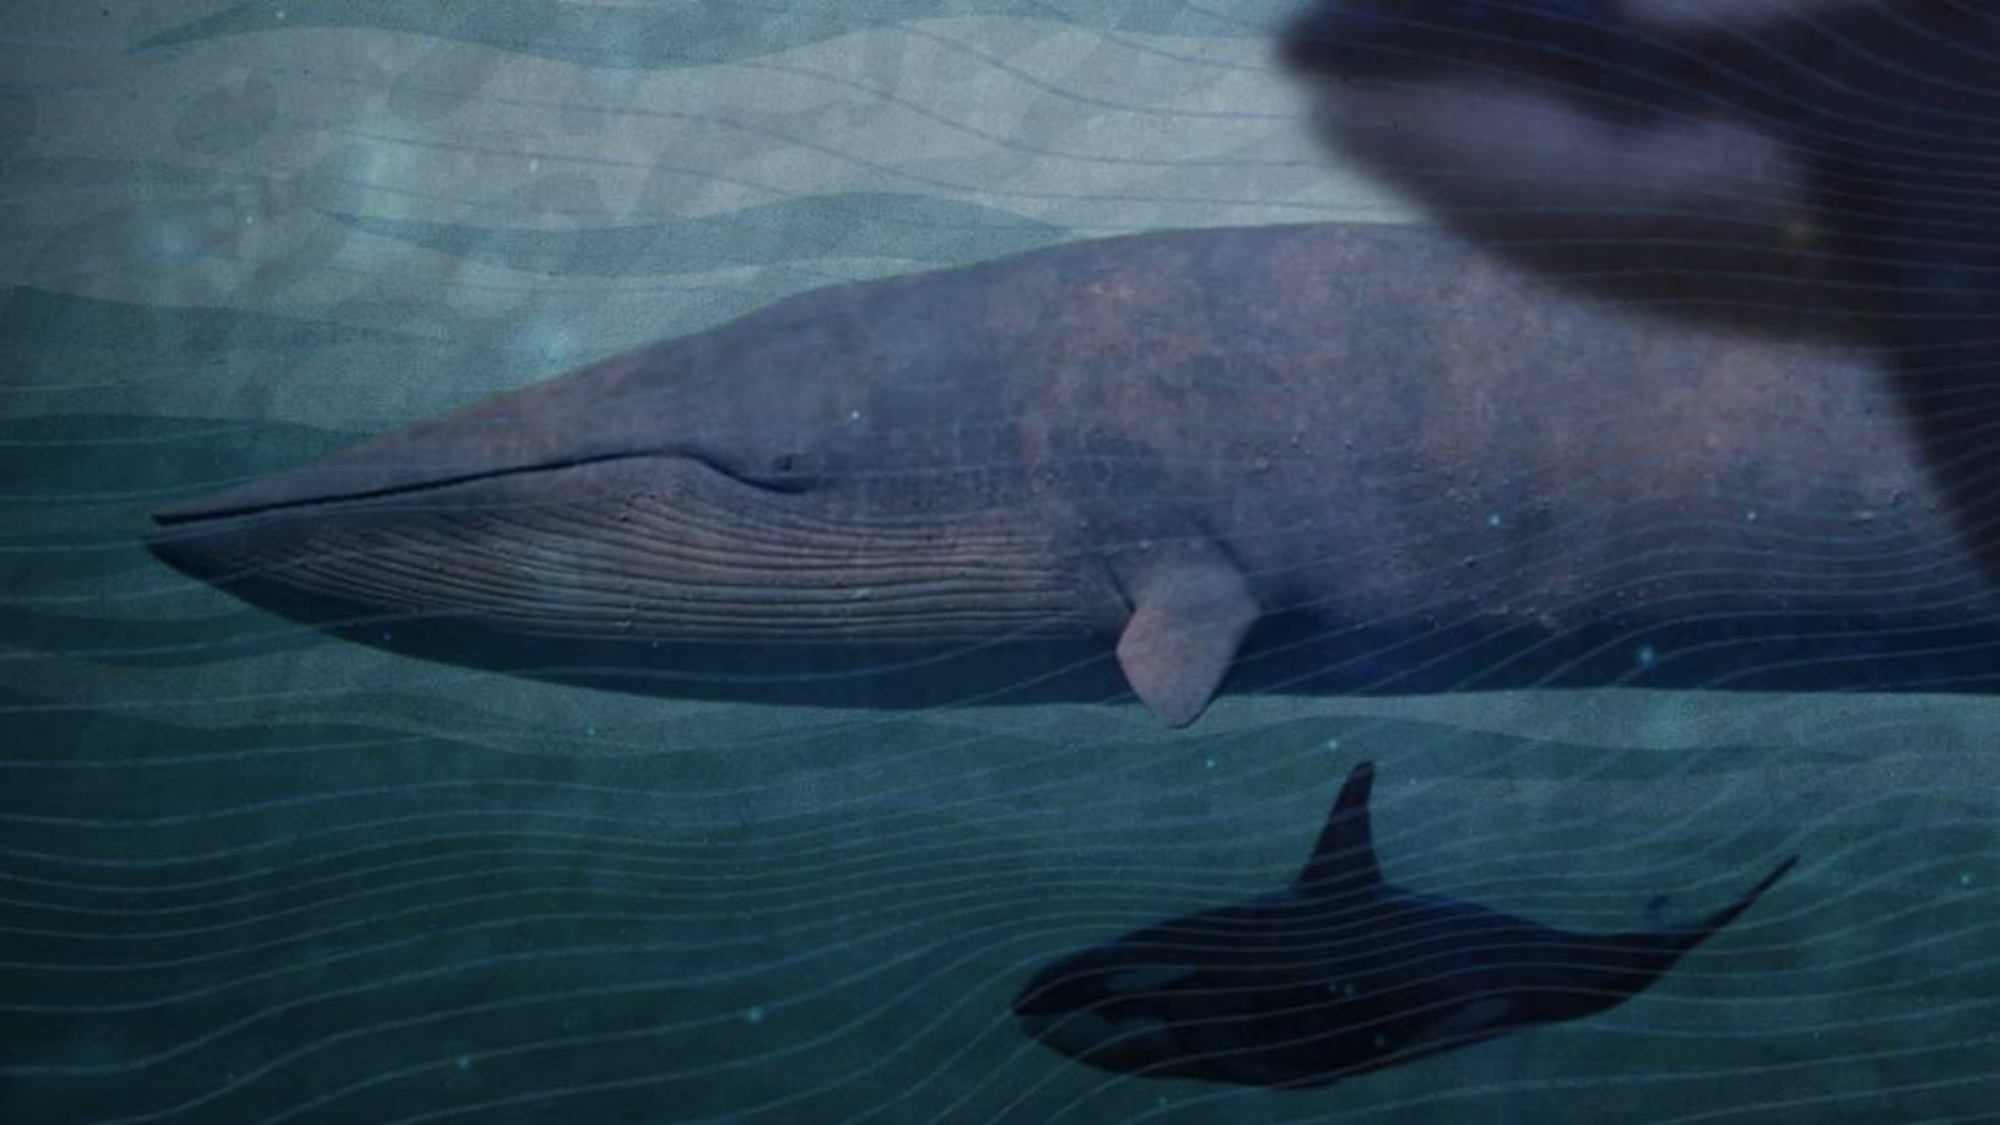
[1066,71]
[463,898]
[1058,125]
[589,946]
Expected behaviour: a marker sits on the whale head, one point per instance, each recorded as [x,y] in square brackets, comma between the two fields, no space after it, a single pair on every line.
[702,511]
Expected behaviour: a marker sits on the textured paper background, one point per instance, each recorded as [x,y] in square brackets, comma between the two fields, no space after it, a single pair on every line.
[253,875]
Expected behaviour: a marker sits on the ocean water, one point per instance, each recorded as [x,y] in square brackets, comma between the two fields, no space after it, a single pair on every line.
[249,873]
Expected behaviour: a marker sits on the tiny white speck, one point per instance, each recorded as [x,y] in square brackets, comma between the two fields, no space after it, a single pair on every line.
[755,1014]
[1965,879]
[854,416]
[1646,656]
[1210,764]
[1750,515]
[1333,744]
[1493,520]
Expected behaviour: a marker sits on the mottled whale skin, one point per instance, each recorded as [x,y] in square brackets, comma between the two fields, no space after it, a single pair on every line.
[1297,459]
[1338,974]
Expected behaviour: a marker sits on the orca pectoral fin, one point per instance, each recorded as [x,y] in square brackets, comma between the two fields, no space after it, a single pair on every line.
[1190,611]
[1942,268]
[1747,899]
[1949,386]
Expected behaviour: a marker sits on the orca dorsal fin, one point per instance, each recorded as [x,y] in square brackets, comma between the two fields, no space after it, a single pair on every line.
[1343,861]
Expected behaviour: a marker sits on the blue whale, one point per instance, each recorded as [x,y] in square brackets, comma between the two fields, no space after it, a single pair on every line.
[1338,974]
[1300,460]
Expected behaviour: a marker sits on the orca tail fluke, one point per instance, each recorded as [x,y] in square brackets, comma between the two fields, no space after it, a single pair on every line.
[1703,930]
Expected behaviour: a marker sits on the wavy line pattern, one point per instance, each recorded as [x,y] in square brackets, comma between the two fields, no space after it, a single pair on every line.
[365,925]
[249,874]
[909,227]
[659,36]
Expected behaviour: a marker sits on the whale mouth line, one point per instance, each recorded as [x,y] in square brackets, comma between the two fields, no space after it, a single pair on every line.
[207,511]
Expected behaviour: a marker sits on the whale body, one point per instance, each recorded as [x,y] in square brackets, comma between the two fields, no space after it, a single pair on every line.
[1339,974]
[1308,459]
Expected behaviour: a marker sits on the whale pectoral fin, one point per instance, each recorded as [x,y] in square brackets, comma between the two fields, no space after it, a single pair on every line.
[1190,611]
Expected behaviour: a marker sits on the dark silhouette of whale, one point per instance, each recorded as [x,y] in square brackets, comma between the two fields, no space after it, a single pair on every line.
[1298,459]
[1338,974]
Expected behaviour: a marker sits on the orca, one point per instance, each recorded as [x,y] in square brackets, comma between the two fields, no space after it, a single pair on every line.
[1338,974]
[1791,166]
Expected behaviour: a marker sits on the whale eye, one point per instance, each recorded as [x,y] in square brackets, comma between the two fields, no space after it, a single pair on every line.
[788,471]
